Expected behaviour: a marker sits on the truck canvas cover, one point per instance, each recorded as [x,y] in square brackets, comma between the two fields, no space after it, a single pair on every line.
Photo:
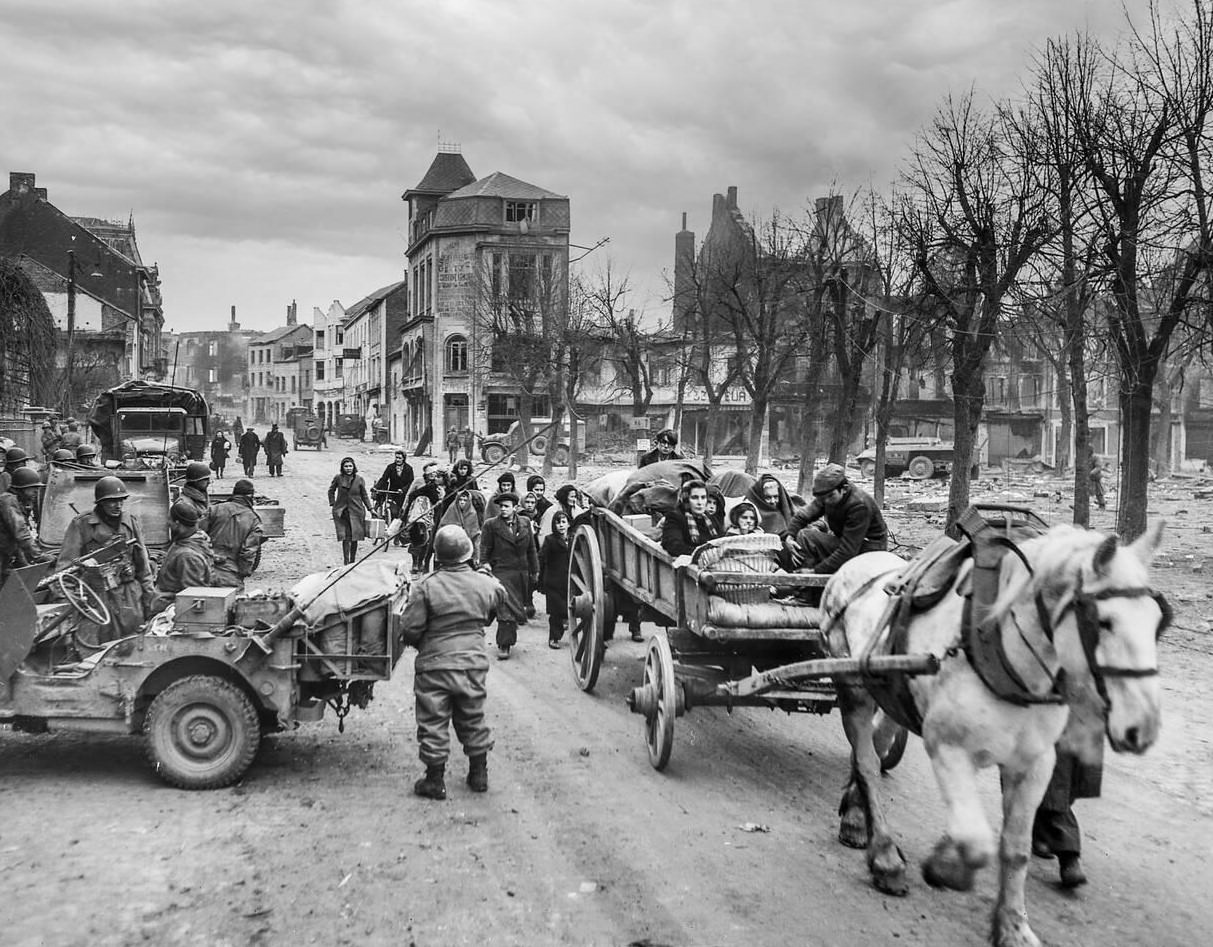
[139,394]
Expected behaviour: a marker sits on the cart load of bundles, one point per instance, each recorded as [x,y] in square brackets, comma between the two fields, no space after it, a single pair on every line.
[353,625]
[757,604]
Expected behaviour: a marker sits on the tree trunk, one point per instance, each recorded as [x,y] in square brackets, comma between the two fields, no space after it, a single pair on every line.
[574,446]
[549,454]
[1062,460]
[968,395]
[758,423]
[1136,402]
[843,424]
[523,457]
[1082,427]
[1161,440]
[709,434]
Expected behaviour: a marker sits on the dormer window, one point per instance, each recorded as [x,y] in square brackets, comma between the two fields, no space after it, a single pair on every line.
[518,211]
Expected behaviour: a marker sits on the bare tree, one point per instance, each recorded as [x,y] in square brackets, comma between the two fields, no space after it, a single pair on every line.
[973,217]
[1139,115]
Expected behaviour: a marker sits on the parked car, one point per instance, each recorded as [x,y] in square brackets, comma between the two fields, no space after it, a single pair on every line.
[308,432]
[351,425]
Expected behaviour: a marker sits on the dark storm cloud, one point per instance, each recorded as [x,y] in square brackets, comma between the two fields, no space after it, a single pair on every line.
[263,147]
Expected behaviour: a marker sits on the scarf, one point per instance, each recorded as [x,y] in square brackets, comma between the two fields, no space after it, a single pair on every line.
[467,520]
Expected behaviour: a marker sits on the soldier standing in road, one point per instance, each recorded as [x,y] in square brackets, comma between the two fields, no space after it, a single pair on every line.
[445,618]
[275,450]
[469,443]
[197,480]
[88,532]
[189,559]
[1096,480]
[452,445]
[250,444]
[236,537]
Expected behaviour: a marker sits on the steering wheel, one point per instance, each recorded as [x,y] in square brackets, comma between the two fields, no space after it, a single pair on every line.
[83,598]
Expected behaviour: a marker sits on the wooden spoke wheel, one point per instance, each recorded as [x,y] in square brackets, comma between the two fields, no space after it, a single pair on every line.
[83,598]
[659,717]
[587,600]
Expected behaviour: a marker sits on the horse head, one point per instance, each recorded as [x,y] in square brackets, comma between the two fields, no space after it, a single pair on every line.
[1094,598]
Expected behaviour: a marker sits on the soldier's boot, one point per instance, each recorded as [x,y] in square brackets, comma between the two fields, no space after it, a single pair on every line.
[433,786]
[478,772]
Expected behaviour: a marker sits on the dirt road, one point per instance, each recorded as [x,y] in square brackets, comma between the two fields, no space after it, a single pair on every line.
[578,840]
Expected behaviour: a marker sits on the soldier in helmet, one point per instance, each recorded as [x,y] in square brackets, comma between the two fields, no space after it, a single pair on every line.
[86,456]
[106,523]
[50,439]
[197,479]
[63,458]
[236,537]
[189,560]
[18,522]
[72,438]
[14,458]
[445,618]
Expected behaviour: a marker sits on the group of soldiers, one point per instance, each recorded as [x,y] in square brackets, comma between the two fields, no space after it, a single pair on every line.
[212,544]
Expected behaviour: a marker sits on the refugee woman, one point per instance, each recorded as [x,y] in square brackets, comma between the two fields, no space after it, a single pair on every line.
[350,501]
[685,529]
[553,576]
[744,519]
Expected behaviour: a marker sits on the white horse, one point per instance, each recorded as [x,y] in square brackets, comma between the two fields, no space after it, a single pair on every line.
[1077,617]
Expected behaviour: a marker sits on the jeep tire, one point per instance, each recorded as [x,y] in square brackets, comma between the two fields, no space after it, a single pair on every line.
[202,732]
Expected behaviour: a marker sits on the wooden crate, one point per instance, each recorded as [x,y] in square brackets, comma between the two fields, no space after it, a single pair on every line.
[272,520]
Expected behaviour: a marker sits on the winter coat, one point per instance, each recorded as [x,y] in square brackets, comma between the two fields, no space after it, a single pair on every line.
[776,518]
[856,521]
[676,538]
[554,567]
[187,564]
[392,487]
[236,536]
[274,446]
[509,547]
[348,494]
[445,618]
[221,447]
[201,501]
[250,444]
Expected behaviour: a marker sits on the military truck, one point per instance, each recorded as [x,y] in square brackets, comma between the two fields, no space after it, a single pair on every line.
[919,458]
[160,424]
[494,447]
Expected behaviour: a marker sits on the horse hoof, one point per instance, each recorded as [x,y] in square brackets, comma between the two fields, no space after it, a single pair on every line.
[853,833]
[1013,932]
[891,882]
[946,869]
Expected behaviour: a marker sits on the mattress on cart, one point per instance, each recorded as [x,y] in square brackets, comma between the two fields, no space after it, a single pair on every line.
[735,611]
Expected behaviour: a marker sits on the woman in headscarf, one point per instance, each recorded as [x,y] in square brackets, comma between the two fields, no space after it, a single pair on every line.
[716,507]
[553,576]
[466,510]
[773,503]
[220,448]
[744,519]
[350,501]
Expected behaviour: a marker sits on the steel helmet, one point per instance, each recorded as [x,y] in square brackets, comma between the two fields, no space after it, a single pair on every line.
[109,488]
[451,545]
[15,455]
[85,450]
[63,455]
[197,471]
[24,477]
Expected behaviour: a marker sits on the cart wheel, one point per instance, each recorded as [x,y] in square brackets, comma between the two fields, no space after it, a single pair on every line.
[83,598]
[920,467]
[202,732]
[659,725]
[587,607]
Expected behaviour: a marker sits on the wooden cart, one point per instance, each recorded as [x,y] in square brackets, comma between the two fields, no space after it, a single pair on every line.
[731,637]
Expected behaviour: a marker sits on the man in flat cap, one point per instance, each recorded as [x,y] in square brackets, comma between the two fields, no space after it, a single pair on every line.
[841,522]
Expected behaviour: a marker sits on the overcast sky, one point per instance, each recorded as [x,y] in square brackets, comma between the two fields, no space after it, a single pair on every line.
[263,146]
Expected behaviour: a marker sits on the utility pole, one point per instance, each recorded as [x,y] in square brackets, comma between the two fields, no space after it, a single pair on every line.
[70,354]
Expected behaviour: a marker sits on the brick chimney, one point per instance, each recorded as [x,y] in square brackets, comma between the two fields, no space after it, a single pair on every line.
[22,182]
[291,313]
[233,325]
[684,263]
[732,198]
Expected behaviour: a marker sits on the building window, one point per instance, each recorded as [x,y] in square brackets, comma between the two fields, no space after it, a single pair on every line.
[292,384]
[457,354]
[320,371]
[320,341]
[338,370]
[210,349]
[212,376]
[518,211]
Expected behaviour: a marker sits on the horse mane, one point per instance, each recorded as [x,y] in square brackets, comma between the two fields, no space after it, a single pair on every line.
[1058,559]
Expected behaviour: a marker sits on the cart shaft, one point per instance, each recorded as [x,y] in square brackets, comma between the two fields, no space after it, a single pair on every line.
[756,684]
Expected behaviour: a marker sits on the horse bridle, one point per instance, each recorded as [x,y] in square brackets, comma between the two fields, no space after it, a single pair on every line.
[1086,612]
